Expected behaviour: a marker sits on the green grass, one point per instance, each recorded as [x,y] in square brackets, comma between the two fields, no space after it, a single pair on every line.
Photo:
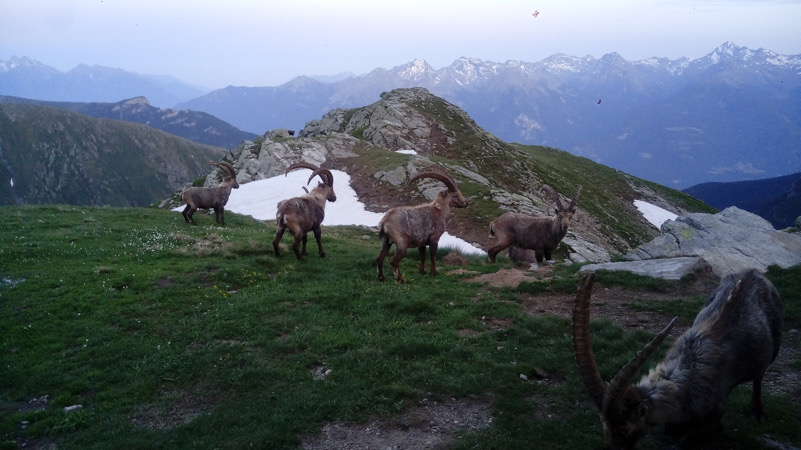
[178,336]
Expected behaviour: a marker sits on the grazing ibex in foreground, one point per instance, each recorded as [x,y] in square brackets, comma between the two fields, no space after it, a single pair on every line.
[733,340]
[541,234]
[211,197]
[418,226]
[302,214]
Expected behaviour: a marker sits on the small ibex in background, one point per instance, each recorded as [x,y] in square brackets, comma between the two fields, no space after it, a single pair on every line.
[540,234]
[418,226]
[302,214]
[212,197]
[733,340]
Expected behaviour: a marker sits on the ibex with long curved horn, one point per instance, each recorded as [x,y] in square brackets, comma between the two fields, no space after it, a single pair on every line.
[418,226]
[733,340]
[541,234]
[302,214]
[211,197]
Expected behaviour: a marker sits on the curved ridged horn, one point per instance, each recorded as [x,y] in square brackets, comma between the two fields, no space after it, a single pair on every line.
[572,206]
[438,174]
[325,174]
[300,165]
[553,196]
[226,168]
[623,378]
[588,369]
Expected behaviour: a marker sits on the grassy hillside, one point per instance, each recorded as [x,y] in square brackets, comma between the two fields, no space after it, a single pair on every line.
[177,336]
[193,125]
[50,155]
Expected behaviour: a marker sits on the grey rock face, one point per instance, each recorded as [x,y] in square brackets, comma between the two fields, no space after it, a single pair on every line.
[728,241]
[666,269]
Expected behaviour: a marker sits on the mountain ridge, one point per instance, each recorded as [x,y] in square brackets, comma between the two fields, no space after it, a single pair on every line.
[27,78]
[676,122]
[196,126]
[727,116]
[778,200]
[52,155]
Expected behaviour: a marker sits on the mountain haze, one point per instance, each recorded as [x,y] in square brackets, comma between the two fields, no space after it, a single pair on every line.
[27,78]
[51,155]
[731,115]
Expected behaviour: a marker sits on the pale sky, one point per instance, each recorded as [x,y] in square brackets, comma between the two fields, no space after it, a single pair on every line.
[214,44]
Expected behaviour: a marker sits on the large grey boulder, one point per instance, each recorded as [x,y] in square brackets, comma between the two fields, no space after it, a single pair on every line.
[666,268]
[728,241]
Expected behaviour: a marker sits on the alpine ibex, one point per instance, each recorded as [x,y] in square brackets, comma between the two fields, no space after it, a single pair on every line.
[302,214]
[418,226]
[541,234]
[211,197]
[733,340]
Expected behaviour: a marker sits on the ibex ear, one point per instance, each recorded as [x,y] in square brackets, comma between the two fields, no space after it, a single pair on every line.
[642,409]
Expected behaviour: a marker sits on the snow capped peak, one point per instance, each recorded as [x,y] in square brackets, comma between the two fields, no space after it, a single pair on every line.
[415,70]
[17,63]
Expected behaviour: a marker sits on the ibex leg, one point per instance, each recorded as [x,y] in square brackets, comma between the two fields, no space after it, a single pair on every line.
[317,234]
[279,233]
[756,399]
[422,267]
[385,246]
[400,252]
[432,249]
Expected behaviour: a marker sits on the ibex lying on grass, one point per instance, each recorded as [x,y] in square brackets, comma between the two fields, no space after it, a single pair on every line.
[541,234]
[213,197]
[302,214]
[418,226]
[733,340]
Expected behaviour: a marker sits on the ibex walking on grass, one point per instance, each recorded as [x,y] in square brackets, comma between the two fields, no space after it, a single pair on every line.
[210,197]
[541,234]
[418,226]
[733,340]
[302,214]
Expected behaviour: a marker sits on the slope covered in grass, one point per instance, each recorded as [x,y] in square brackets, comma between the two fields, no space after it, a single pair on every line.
[177,336]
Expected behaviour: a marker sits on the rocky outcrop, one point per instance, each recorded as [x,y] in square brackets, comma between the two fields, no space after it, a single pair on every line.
[367,143]
[277,150]
[728,241]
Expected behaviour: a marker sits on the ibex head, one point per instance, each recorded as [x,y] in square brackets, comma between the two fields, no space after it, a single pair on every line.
[623,407]
[324,174]
[563,215]
[228,170]
[455,197]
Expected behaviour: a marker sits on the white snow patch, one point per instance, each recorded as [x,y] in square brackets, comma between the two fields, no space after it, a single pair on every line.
[407,152]
[259,199]
[654,214]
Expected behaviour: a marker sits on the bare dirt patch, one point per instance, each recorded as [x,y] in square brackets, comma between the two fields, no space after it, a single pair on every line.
[432,424]
[184,408]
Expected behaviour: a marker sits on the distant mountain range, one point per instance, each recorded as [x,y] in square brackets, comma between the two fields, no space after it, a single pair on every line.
[28,78]
[776,199]
[731,115]
[193,125]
